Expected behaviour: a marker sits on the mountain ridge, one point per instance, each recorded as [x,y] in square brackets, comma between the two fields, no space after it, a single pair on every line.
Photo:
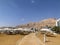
[43,23]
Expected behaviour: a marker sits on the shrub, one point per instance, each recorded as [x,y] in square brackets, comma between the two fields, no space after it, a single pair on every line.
[56,29]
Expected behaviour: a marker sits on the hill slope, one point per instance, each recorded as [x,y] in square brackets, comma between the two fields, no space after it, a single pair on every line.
[46,22]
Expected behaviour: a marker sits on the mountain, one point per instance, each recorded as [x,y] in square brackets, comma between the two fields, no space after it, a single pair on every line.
[43,23]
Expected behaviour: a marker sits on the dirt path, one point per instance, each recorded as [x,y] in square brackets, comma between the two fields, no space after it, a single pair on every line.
[30,39]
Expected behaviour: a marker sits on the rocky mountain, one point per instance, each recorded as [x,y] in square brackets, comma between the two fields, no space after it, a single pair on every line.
[43,23]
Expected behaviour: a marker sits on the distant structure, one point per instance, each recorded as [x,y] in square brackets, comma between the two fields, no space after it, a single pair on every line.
[9,30]
[58,22]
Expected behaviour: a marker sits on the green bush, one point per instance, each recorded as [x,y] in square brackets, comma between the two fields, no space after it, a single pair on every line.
[56,29]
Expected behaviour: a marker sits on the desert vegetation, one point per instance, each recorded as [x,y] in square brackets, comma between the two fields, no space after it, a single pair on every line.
[56,29]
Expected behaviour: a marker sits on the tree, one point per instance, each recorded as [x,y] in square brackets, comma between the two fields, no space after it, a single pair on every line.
[56,29]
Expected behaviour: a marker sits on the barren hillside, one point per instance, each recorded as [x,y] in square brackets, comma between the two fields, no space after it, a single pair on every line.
[46,22]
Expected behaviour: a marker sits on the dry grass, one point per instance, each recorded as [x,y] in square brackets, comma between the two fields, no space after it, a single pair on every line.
[12,39]
[9,39]
[51,40]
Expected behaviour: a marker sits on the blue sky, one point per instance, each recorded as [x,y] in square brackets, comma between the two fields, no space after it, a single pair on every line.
[15,12]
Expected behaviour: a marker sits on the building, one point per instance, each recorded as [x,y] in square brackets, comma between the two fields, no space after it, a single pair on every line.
[58,22]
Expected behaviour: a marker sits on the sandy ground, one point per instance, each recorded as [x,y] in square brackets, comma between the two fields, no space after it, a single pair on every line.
[9,39]
[12,39]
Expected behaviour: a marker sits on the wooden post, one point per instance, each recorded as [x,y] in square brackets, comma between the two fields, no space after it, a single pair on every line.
[44,39]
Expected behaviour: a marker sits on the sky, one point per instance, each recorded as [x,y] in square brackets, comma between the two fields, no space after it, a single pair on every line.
[16,12]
